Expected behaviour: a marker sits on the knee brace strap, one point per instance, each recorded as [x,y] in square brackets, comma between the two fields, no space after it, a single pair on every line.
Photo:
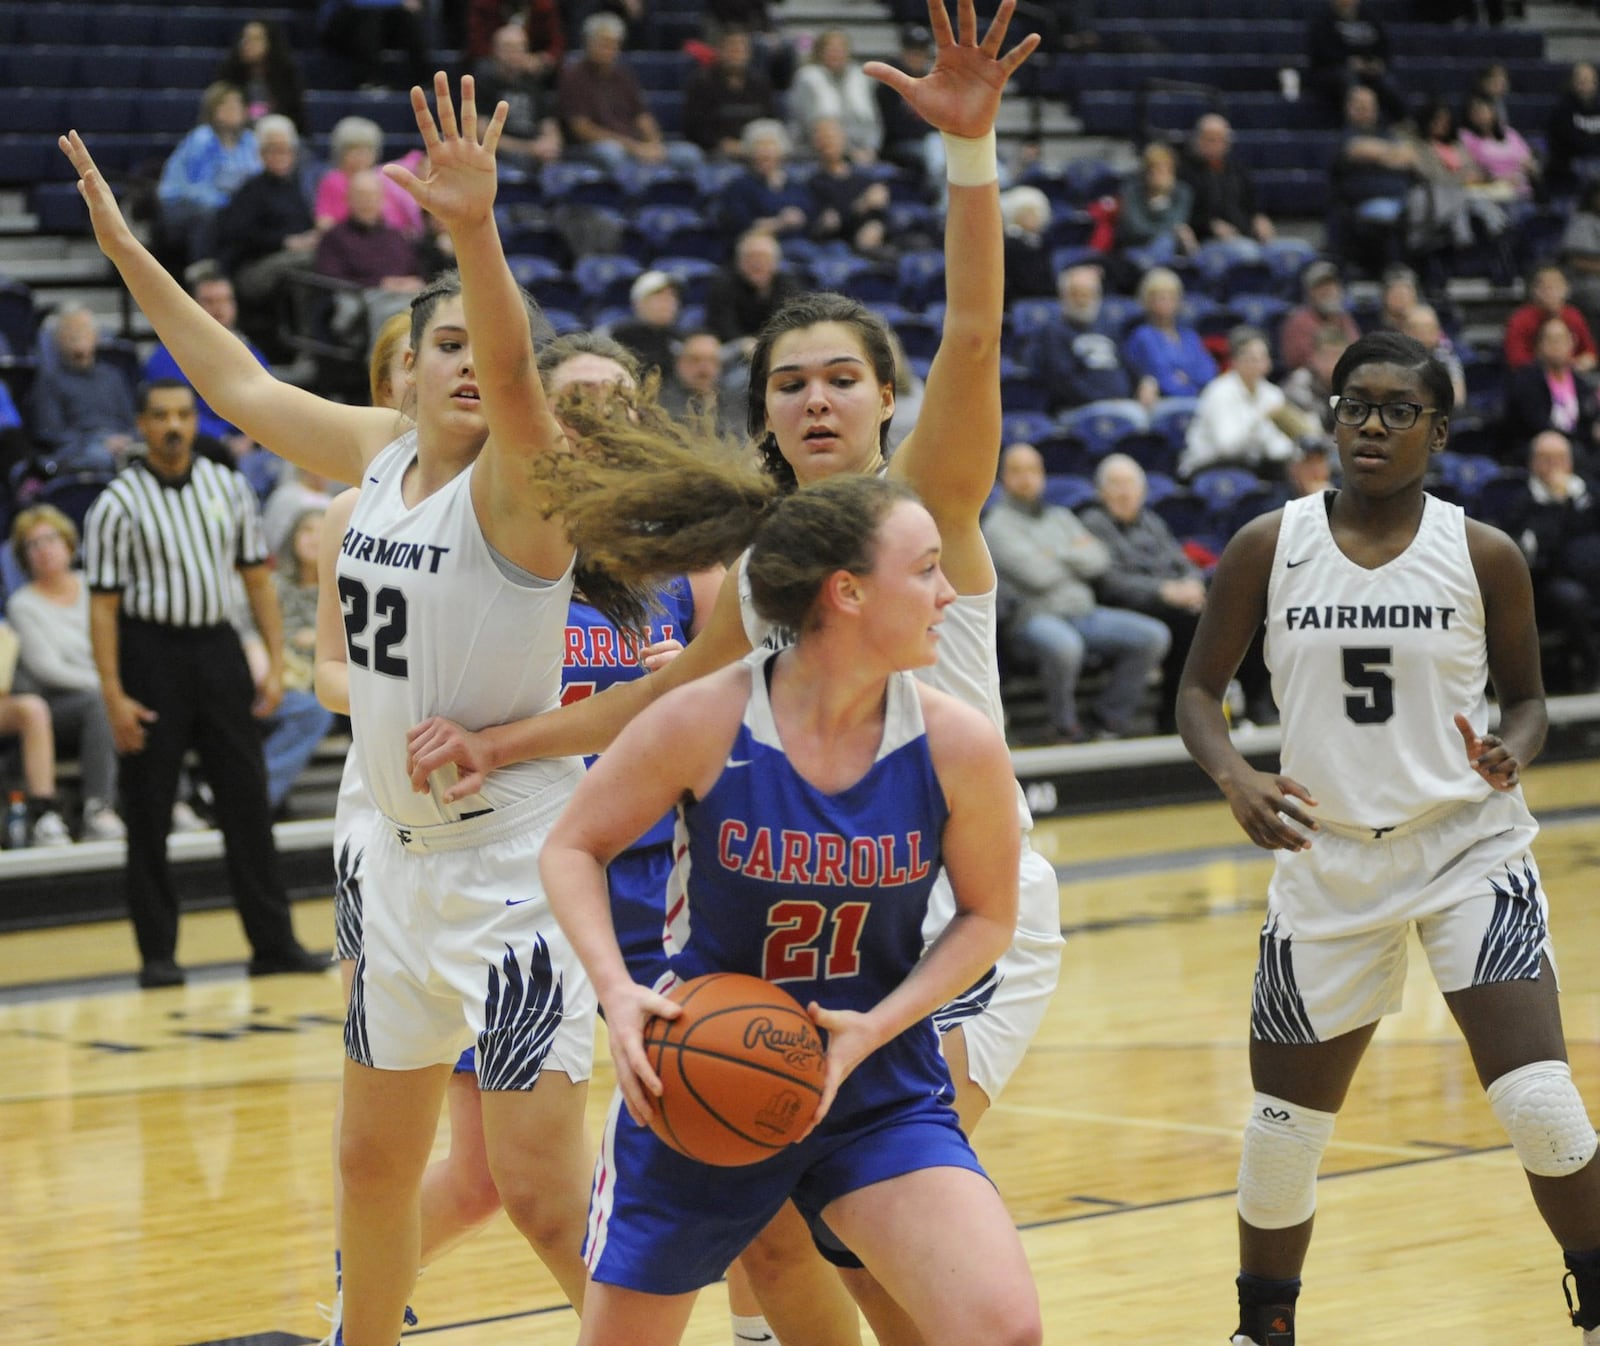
[1541,1111]
[1283,1145]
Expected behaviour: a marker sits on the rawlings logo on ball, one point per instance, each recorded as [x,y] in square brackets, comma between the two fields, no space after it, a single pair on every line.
[798,1047]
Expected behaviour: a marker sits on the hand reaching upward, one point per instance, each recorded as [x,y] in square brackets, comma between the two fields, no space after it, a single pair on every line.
[961,94]
[460,183]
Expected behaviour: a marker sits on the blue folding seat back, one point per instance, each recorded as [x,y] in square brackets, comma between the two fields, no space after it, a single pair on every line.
[170,112]
[1222,487]
[1020,392]
[1029,317]
[1101,424]
[1170,418]
[1065,454]
[1026,427]
[1153,452]
[1157,487]
[605,278]
[1184,513]
[1070,492]
[921,276]
[66,25]
[97,111]
[693,275]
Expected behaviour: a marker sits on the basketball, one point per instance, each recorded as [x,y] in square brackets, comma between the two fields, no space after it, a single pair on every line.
[740,1070]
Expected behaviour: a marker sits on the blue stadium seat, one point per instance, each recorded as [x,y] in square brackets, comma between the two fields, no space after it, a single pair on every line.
[1184,513]
[1499,497]
[1070,492]
[1029,317]
[605,278]
[1153,452]
[101,110]
[919,338]
[1170,417]
[660,71]
[693,275]
[1020,392]
[658,185]
[1465,474]
[19,317]
[564,321]
[59,208]
[1101,424]
[1265,311]
[1065,454]
[169,112]
[921,277]
[1120,313]
[41,111]
[1221,488]
[1157,487]
[868,281]
[1026,427]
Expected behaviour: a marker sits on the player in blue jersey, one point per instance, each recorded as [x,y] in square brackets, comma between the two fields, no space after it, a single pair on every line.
[1387,611]
[830,741]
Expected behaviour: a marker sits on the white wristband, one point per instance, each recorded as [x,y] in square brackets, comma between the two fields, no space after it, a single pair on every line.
[970,163]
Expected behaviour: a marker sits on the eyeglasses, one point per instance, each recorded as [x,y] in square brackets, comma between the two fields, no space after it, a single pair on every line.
[1394,415]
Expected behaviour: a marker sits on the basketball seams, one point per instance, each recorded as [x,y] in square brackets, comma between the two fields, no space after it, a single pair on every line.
[744,1062]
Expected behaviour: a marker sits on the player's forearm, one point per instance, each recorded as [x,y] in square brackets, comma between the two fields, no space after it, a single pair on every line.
[966,949]
[578,730]
[1523,726]
[331,679]
[575,884]
[1204,730]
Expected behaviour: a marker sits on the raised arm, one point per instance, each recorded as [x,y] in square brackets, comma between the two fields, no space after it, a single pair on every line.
[459,191]
[332,677]
[951,455]
[324,437]
[584,727]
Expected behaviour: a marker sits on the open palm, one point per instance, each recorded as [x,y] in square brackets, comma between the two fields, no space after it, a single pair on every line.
[961,94]
[459,185]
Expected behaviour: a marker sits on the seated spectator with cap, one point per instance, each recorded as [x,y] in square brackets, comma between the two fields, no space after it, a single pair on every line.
[1324,312]
[83,408]
[1224,205]
[1239,419]
[1077,356]
[652,332]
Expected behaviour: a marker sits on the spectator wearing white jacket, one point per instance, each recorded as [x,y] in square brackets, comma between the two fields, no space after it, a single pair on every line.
[831,85]
[1235,421]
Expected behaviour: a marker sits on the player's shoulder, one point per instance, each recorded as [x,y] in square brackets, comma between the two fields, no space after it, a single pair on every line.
[958,734]
[706,701]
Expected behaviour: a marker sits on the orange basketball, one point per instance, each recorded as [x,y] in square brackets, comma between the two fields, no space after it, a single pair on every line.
[740,1069]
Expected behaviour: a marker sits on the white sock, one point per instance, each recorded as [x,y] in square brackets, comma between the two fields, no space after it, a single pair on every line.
[751,1329]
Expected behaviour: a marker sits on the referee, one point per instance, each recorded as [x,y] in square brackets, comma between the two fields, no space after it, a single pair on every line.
[161,540]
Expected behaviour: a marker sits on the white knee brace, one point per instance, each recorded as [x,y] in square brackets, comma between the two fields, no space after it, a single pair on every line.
[1283,1145]
[1541,1111]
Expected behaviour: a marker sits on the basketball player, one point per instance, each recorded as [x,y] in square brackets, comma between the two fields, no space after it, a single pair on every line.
[825,740]
[1386,613]
[454,575]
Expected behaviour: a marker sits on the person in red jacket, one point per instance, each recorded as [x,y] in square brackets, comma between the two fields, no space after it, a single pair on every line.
[1547,298]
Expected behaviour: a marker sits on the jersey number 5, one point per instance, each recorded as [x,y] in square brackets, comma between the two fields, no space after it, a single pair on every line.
[1366,668]
[790,951]
[389,605]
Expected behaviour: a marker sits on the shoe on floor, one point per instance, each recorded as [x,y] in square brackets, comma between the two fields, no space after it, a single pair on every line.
[297,960]
[49,829]
[185,819]
[100,823]
[160,972]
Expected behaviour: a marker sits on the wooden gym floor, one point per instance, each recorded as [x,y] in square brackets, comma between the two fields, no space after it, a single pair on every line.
[164,1156]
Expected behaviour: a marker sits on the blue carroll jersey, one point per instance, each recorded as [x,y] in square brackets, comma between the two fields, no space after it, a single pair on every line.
[822,894]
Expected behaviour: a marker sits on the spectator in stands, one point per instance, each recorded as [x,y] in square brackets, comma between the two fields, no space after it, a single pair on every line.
[1548,297]
[1077,358]
[721,99]
[1048,563]
[1497,149]
[50,615]
[1347,47]
[210,163]
[1030,272]
[1373,171]
[517,76]
[1580,252]
[1454,201]
[261,65]
[767,196]
[355,146]
[1552,394]
[693,387]
[267,231]
[848,204]
[1422,324]
[1149,571]
[1238,419]
[908,141]
[603,109]
[297,492]
[1224,197]
[1322,314]
[26,717]
[365,250]
[213,291]
[652,334]
[830,84]
[1155,207]
[541,20]
[1557,524]
[1572,133]
[83,407]
[1163,348]
[361,30]
[744,295]
[1398,297]
[16,445]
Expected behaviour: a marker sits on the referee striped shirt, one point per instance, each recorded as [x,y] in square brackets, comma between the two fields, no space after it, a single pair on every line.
[170,548]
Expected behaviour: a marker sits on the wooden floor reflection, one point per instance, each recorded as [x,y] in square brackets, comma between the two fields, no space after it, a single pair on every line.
[164,1155]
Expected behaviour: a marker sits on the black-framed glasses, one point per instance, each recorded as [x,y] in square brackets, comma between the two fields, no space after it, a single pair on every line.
[1394,415]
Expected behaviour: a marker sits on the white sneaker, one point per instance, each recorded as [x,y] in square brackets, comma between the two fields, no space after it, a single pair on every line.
[334,1317]
[50,830]
[185,819]
[100,823]
[1591,1336]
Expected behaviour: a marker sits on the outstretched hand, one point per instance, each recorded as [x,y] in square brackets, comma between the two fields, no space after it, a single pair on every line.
[460,183]
[1489,756]
[961,94]
[111,231]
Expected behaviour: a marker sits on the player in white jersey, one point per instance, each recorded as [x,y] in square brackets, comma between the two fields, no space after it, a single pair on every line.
[454,575]
[1387,612]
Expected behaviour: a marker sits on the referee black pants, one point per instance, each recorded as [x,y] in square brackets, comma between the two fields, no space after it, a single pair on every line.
[199,686]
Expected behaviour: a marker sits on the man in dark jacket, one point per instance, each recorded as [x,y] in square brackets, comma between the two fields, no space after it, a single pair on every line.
[266,230]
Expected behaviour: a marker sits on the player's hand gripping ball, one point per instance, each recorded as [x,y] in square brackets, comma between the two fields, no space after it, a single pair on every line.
[741,1070]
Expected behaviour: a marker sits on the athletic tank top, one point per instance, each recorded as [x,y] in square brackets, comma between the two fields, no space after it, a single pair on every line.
[598,656]
[823,894]
[1370,667]
[967,667]
[433,626]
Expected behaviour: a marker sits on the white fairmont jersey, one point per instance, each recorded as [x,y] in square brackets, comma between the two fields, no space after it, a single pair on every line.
[1370,667]
[967,668]
[436,625]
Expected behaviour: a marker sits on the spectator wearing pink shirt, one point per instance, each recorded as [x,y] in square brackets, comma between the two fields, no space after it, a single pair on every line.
[1497,149]
[356,145]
